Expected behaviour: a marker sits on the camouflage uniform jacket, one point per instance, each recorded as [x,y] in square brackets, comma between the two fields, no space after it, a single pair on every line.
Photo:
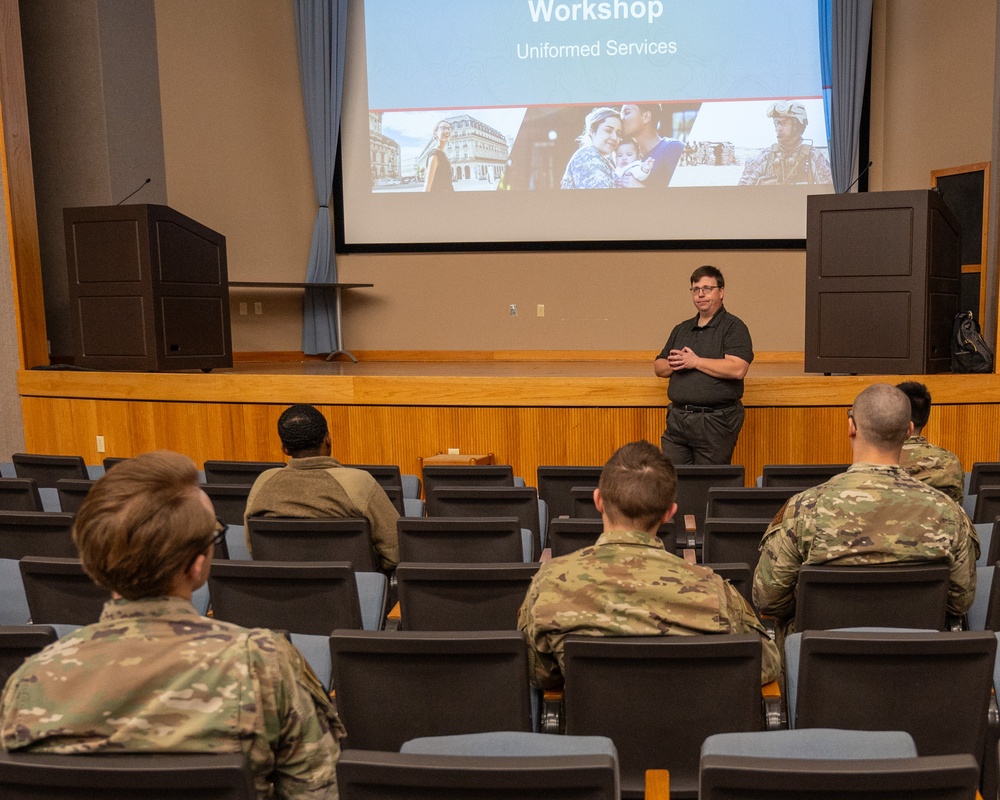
[775,166]
[934,466]
[153,675]
[628,585]
[871,514]
[320,486]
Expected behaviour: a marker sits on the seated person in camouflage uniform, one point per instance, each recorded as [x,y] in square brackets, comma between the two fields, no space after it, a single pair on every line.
[313,485]
[926,462]
[627,584]
[875,513]
[153,675]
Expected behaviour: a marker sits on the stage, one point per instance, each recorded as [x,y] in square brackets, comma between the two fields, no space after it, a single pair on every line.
[528,409]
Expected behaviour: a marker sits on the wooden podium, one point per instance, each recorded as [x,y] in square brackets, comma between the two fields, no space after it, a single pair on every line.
[882,283]
[148,289]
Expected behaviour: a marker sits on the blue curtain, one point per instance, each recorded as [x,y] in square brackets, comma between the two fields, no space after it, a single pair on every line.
[849,33]
[321,27]
[826,59]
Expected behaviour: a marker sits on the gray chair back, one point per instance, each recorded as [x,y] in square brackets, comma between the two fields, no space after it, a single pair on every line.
[400,685]
[459,539]
[877,595]
[327,539]
[46,470]
[163,776]
[462,597]
[36,533]
[19,494]
[554,484]
[658,698]
[59,592]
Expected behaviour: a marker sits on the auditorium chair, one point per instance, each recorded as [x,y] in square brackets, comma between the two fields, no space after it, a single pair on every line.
[17,642]
[13,603]
[326,539]
[568,535]
[885,595]
[494,501]
[462,597]
[403,490]
[19,494]
[243,473]
[393,686]
[472,475]
[658,697]
[800,476]
[987,504]
[36,533]
[462,540]
[738,574]
[584,506]
[984,615]
[733,540]
[935,686]
[72,493]
[59,592]
[554,484]
[983,473]
[145,776]
[747,503]
[229,500]
[307,600]
[693,483]
[313,597]
[830,765]
[46,470]
[377,775]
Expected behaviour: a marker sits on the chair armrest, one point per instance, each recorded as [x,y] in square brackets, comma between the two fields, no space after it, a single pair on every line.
[392,619]
[657,784]
[689,555]
[775,718]
[545,556]
[552,707]
[690,531]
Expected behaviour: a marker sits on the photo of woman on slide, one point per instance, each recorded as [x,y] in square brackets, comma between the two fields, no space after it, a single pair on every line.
[438,164]
[591,166]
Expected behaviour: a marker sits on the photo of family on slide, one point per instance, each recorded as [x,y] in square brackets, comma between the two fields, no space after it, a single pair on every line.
[620,146]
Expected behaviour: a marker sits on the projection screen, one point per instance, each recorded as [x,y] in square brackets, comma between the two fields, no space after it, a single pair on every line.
[466,122]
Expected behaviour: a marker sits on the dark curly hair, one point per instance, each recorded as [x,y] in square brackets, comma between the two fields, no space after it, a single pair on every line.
[301,427]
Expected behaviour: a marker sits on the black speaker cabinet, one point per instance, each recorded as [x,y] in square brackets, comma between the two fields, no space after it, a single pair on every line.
[148,289]
[883,272]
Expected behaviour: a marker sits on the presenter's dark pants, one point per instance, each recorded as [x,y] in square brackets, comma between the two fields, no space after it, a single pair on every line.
[701,436]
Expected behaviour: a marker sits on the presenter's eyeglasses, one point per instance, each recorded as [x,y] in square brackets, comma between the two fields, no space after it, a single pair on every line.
[703,289]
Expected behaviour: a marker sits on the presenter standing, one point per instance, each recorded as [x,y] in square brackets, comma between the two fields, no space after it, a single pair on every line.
[438,164]
[706,359]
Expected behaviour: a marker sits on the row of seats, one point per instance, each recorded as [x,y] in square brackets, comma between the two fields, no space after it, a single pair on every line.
[659,698]
[822,764]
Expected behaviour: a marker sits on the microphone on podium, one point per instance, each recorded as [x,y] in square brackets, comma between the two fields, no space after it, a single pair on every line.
[868,167]
[126,197]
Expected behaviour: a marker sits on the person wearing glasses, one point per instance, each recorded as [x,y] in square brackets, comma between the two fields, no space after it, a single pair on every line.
[153,675]
[874,513]
[791,159]
[706,359]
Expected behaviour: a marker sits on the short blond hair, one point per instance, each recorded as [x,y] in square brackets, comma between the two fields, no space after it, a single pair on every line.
[142,524]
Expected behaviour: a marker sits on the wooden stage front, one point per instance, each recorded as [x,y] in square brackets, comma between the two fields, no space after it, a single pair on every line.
[528,412]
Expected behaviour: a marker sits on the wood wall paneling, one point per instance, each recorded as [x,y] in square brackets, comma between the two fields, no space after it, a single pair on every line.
[522,437]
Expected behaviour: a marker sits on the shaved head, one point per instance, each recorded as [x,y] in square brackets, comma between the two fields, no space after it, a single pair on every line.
[882,416]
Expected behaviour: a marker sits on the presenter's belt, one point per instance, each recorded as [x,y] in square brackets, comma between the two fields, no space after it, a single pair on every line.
[702,409]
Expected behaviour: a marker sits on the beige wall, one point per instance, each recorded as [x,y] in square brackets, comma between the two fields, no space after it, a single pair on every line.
[237,160]
[932,88]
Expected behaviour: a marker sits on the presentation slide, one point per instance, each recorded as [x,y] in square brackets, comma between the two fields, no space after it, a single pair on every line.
[705,117]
